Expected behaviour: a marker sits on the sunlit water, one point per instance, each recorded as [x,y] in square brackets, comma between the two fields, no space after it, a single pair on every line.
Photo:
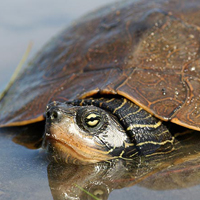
[24,172]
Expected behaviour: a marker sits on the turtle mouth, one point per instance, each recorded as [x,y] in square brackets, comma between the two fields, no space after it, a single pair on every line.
[68,153]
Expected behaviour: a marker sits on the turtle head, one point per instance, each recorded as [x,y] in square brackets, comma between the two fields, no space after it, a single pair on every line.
[82,134]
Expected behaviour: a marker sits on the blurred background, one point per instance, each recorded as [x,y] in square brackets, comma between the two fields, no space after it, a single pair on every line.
[22,22]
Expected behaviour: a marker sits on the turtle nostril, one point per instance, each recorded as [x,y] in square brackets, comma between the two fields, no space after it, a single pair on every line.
[54,115]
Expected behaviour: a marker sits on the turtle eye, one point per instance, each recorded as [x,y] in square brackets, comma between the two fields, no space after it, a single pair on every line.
[92,119]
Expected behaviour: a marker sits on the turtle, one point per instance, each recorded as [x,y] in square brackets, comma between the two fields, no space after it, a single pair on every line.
[123,81]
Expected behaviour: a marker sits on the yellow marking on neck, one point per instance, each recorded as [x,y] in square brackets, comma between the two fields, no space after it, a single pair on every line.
[111,150]
[133,113]
[160,153]
[131,105]
[109,161]
[124,102]
[168,156]
[156,143]
[161,133]
[126,158]
[126,144]
[144,125]
[147,117]
[108,101]
[121,154]
[133,154]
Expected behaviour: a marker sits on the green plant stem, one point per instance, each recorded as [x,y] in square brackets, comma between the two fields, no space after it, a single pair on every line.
[17,70]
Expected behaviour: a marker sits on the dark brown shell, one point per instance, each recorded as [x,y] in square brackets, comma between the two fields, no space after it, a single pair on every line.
[147,51]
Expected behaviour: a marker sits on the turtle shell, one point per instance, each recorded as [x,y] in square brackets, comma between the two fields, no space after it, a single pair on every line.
[146,51]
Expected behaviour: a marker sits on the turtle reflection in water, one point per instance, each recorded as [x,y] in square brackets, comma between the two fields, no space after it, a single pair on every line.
[121,73]
[182,170]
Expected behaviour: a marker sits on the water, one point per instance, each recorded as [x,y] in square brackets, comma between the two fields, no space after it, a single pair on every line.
[36,21]
[27,173]
[30,174]
[23,173]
